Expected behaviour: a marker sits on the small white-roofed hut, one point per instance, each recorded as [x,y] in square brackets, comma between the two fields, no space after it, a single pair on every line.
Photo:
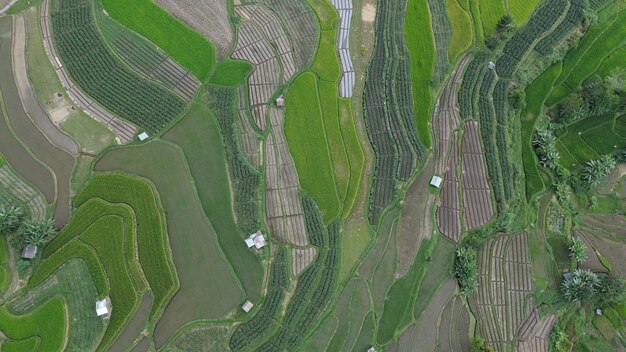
[29,252]
[280,101]
[491,65]
[247,306]
[256,240]
[103,307]
[436,181]
[143,136]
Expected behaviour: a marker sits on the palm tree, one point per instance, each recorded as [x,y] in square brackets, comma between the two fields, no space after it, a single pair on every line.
[577,250]
[10,217]
[40,232]
[581,287]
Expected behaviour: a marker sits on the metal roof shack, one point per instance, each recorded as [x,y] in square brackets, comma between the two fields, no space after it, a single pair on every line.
[256,240]
[29,252]
[436,181]
[491,65]
[103,307]
[280,101]
[143,136]
[247,306]
[371,349]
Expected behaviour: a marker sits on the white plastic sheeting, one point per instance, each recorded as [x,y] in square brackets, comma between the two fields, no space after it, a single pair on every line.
[346,86]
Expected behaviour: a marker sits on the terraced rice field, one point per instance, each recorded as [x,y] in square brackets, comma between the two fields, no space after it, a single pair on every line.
[606,235]
[301,258]
[24,192]
[534,333]
[504,299]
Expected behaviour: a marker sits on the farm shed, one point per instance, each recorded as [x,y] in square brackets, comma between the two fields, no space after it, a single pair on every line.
[491,65]
[567,277]
[371,349]
[436,181]
[280,102]
[103,307]
[256,240]
[143,136]
[29,252]
[247,306]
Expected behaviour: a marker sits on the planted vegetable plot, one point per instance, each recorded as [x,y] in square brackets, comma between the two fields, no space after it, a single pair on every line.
[101,75]
[24,192]
[534,333]
[504,297]
[449,210]
[389,110]
[283,207]
[346,86]
[477,203]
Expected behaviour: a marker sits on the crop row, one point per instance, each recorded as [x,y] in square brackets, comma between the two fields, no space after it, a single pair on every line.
[255,329]
[574,17]
[314,289]
[519,44]
[152,245]
[469,87]
[500,92]
[103,76]
[245,178]
[388,108]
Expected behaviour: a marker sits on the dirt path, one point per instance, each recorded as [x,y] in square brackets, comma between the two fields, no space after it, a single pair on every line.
[25,90]
[14,285]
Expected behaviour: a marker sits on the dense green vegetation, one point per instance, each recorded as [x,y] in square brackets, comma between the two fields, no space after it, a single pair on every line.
[420,44]
[230,73]
[186,46]
[462,32]
[48,322]
[103,76]
[308,143]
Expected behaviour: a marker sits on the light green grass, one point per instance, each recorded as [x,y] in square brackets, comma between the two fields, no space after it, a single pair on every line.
[478,25]
[308,144]
[522,9]
[199,136]
[92,136]
[615,61]
[326,64]
[230,73]
[47,322]
[326,14]
[338,155]
[26,345]
[186,46]
[462,32]
[536,94]
[355,154]
[491,11]
[604,326]
[2,161]
[421,44]
[355,239]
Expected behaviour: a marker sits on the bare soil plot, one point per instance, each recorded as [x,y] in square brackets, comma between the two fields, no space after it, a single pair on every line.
[27,95]
[425,332]
[416,220]
[615,224]
[449,209]
[454,327]
[301,258]
[124,130]
[209,17]
[283,205]
[593,262]
[203,273]
[57,160]
[477,202]
[504,298]
[135,326]
[614,250]
[534,333]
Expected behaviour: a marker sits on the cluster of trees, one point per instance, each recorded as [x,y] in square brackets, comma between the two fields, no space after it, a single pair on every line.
[504,28]
[595,170]
[466,269]
[35,233]
[597,96]
[545,147]
[479,344]
[589,287]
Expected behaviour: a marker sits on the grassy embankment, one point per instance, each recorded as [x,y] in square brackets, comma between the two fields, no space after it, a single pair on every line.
[420,42]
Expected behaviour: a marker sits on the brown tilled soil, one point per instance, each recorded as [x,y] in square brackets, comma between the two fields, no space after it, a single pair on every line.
[209,17]
[477,202]
[614,252]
